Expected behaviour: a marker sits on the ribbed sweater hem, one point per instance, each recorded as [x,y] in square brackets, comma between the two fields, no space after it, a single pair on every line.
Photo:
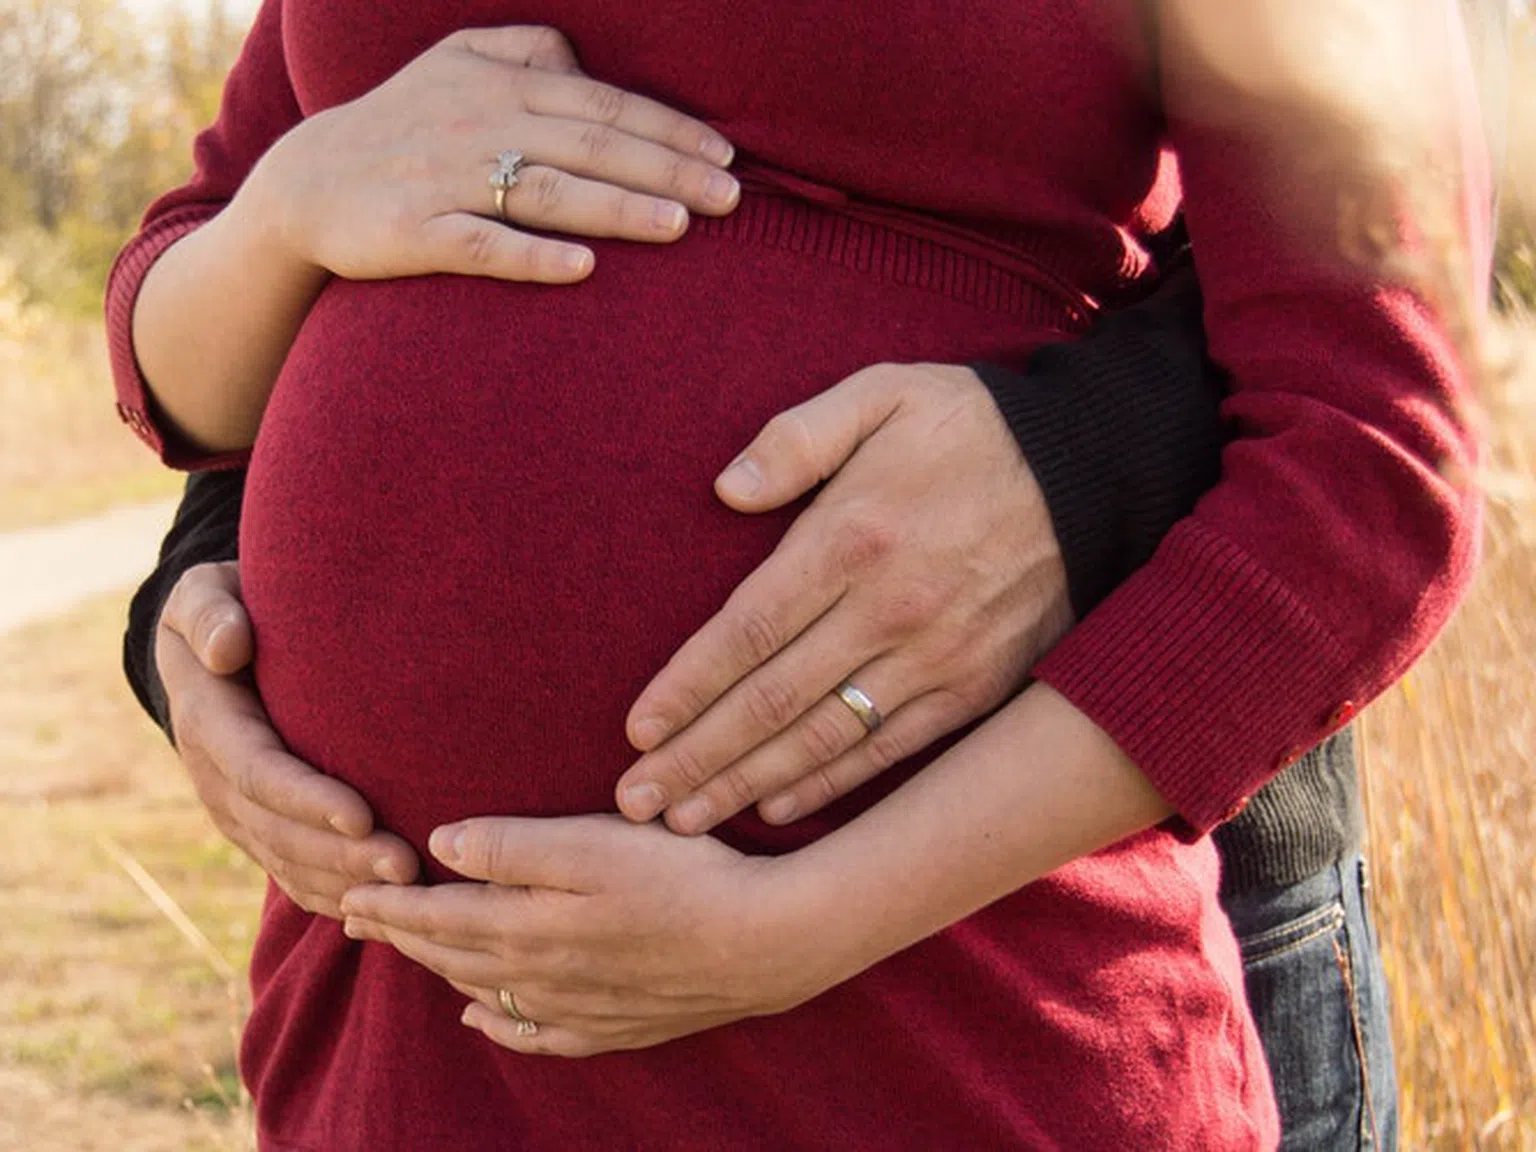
[962,263]
[1198,667]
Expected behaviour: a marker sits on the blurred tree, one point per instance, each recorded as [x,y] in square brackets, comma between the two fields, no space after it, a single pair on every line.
[98,107]
[62,71]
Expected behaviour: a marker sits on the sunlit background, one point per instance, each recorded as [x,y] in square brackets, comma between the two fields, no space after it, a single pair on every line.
[125,920]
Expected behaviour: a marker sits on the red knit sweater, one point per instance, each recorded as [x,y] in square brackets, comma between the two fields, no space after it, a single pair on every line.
[992,204]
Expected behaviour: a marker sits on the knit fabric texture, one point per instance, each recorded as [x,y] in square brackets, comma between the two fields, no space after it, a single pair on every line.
[442,677]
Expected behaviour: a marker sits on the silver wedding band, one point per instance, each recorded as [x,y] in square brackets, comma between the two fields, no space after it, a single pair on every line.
[860,704]
[525,1026]
[504,178]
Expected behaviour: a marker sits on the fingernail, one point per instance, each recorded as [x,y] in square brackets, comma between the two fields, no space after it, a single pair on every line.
[741,480]
[669,217]
[351,929]
[694,814]
[384,868]
[213,636]
[643,801]
[717,150]
[650,731]
[779,809]
[722,190]
[576,260]
[447,844]
[347,827]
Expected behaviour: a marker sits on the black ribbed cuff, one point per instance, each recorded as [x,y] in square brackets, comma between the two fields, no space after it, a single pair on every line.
[1122,430]
[1304,820]
[206,530]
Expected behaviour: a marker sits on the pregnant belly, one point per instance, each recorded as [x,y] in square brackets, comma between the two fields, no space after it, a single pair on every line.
[479,516]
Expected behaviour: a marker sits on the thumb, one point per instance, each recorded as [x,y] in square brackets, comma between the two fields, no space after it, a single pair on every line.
[806,444]
[205,610]
[516,851]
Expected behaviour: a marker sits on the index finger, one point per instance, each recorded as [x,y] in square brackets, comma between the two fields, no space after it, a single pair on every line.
[580,98]
[782,597]
[223,721]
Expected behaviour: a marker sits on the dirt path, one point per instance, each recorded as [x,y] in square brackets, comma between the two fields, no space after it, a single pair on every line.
[46,571]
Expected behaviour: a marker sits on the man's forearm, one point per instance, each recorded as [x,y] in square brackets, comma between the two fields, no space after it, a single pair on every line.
[207,530]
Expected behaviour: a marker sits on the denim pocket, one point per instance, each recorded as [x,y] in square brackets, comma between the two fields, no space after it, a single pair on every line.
[1302,992]
[1297,933]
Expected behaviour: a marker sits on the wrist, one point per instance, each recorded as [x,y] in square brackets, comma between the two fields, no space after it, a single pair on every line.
[807,921]
[267,214]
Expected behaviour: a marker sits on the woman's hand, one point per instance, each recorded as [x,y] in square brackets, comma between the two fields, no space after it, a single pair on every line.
[609,935]
[926,572]
[312,834]
[397,182]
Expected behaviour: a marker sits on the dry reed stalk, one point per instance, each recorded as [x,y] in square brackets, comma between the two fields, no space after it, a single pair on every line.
[1451,772]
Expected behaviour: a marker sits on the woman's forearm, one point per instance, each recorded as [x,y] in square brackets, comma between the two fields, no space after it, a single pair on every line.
[215,318]
[1035,787]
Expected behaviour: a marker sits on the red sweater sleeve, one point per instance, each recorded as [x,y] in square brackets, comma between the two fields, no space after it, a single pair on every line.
[258,107]
[1345,524]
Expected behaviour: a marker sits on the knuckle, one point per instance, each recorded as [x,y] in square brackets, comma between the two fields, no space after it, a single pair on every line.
[680,175]
[757,637]
[824,789]
[605,104]
[632,213]
[484,848]
[788,435]
[596,141]
[549,43]
[688,768]
[822,736]
[738,790]
[769,701]
[958,704]
[913,608]
[692,699]
[862,542]
[242,778]
[884,748]
[478,245]
[548,188]
[189,717]
[400,221]
[355,861]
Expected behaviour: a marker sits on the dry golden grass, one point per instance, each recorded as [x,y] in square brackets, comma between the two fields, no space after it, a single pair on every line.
[1451,790]
[115,1030]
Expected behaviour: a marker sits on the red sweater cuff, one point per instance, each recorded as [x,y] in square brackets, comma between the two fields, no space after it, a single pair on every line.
[1207,672]
[134,403]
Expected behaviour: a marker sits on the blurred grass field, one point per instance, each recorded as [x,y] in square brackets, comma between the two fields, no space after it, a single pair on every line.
[63,452]
[118,1028]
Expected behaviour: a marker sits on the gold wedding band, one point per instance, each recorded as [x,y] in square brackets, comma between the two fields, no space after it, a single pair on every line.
[505,177]
[860,704]
[525,1026]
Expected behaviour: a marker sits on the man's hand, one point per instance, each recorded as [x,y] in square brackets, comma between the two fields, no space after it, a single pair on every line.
[605,934]
[926,573]
[312,834]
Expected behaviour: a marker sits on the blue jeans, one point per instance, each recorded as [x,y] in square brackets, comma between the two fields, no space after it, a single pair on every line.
[1318,995]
